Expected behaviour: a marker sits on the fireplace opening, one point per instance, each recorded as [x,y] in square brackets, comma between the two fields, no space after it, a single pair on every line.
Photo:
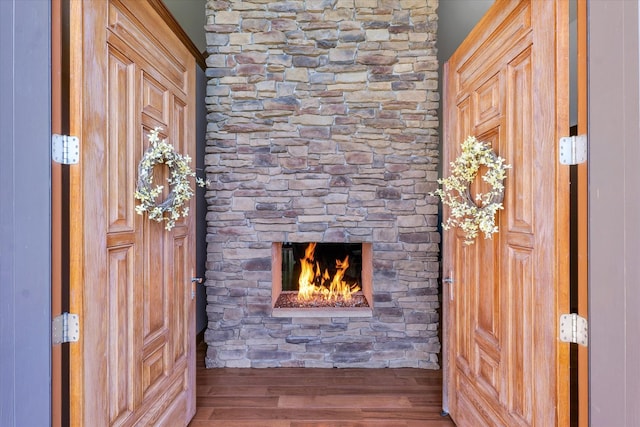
[316,275]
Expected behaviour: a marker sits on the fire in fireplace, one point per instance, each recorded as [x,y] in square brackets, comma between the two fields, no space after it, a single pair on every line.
[322,275]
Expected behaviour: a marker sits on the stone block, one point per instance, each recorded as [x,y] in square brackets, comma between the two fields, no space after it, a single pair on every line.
[239,39]
[227,17]
[305,61]
[297,74]
[411,221]
[358,77]
[299,340]
[315,132]
[253,25]
[358,158]
[240,363]
[342,55]
[214,39]
[350,358]
[270,37]
[251,58]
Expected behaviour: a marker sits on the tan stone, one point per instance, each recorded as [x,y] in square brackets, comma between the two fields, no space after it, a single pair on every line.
[377,35]
[241,39]
[255,25]
[227,17]
[315,218]
[216,61]
[351,77]
[366,3]
[345,4]
[411,221]
[376,59]
[342,55]
[373,96]
[380,86]
[338,14]
[297,74]
[358,158]
[311,119]
[403,68]
[412,95]
[269,37]
[243,204]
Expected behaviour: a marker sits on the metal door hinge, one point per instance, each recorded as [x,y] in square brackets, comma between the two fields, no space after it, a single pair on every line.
[574,329]
[573,150]
[65,328]
[65,149]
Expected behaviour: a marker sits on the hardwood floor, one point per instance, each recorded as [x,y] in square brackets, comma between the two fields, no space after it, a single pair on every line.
[294,397]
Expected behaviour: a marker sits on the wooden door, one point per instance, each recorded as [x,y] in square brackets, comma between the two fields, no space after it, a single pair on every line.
[507,84]
[129,277]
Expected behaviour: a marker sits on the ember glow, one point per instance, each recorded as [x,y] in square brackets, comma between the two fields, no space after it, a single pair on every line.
[316,282]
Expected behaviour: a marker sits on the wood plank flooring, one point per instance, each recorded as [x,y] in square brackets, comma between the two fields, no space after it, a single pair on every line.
[294,397]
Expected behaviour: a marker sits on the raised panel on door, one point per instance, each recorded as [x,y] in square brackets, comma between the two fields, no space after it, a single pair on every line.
[121,320]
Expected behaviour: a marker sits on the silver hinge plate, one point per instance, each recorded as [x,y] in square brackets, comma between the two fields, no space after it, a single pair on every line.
[65,149]
[65,328]
[574,329]
[573,150]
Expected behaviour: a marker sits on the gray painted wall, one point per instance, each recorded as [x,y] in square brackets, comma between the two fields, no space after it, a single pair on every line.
[456,18]
[190,14]
[201,204]
[614,213]
[25,209]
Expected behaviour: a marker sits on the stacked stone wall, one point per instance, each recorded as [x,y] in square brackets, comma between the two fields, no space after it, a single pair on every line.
[322,126]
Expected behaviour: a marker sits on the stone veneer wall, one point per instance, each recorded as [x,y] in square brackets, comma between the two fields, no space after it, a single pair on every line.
[322,126]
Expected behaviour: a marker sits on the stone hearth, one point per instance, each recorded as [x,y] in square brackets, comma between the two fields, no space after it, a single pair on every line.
[322,128]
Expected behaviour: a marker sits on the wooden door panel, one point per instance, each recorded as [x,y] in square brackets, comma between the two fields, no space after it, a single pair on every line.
[124,24]
[519,321]
[121,158]
[179,319]
[154,99]
[519,209]
[463,124]
[121,294]
[505,85]
[123,257]
[141,369]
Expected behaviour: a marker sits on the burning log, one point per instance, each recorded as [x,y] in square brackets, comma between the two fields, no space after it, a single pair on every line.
[312,283]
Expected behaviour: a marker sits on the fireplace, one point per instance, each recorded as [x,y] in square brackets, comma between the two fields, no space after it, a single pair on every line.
[322,279]
[322,128]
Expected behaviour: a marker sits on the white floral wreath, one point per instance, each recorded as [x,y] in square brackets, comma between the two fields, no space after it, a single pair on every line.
[455,192]
[158,152]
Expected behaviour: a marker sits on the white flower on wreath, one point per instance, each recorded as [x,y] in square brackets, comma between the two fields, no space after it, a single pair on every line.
[473,216]
[173,207]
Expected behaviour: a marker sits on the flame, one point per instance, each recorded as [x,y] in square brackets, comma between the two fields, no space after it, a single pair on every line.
[312,283]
